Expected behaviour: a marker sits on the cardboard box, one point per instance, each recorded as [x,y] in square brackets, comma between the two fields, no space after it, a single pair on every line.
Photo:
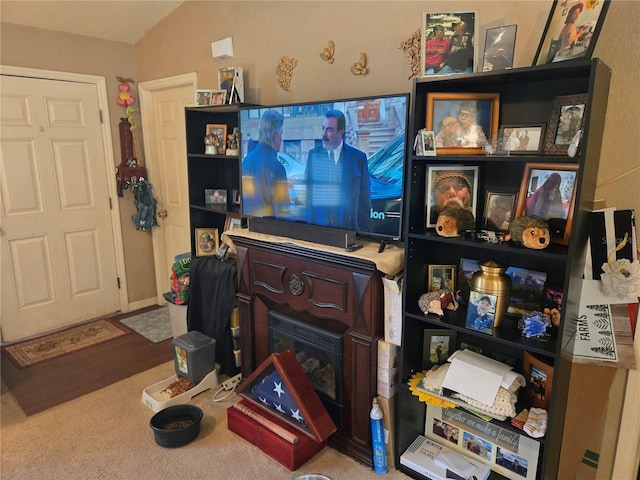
[393,310]
[388,407]
[388,374]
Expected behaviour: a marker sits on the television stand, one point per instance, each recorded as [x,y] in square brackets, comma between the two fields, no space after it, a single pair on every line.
[333,237]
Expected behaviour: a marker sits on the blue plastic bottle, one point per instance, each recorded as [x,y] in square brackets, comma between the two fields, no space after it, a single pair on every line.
[377,439]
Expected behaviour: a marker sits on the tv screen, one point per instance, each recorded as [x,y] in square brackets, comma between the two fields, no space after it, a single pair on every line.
[337,163]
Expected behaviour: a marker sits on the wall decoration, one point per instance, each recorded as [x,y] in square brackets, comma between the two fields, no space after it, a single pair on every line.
[567,117]
[499,46]
[411,49]
[360,67]
[449,43]
[462,121]
[206,241]
[285,72]
[548,191]
[328,52]
[571,31]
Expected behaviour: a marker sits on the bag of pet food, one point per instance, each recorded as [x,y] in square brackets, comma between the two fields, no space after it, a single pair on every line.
[180,281]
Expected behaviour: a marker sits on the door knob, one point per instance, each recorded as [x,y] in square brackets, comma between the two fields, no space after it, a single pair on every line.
[162,214]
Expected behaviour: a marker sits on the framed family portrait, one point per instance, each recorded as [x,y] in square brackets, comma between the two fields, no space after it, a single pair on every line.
[438,345]
[499,46]
[449,43]
[539,377]
[218,97]
[462,122]
[450,185]
[548,191]
[207,241]
[571,31]
[521,139]
[567,117]
[499,210]
[203,97]
[220,132]
[441,277]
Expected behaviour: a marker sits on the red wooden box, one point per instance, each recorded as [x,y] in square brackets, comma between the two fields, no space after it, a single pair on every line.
[299,425]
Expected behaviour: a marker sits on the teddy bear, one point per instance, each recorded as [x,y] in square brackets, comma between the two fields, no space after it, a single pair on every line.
[454,221]
[532,232]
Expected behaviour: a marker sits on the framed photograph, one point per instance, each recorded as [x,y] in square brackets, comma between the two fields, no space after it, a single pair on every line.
[571,31]
[203,97]
[215,196]
[539,377]
[218,97]
[450,185]
[449,43]
[462,122]
[548,191]
[207,241]
[567,115]
[441,276]
[231,79]
[499,45]
[499,209]
[527,291]
[438,345]
[467,268]
[232,222]
[481,312]
[521,139]
[220,132]
[428,143]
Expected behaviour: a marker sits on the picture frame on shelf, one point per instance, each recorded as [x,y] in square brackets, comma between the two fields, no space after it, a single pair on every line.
[231,79]
[232,222]
[541,195]
[438,345]
[521,139]
[499,210]
[441,277]
[539,377]
[527,291]
[481,312]
[215,196]
[218,97]
[499,47]
[571,31]
[566,119]
[466,269]
[449,43]
[463,122]
[428,143]
[203,98]
[207,242]
[440,178]
[220,132]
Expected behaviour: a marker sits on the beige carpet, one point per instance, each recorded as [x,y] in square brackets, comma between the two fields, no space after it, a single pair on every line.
[106,435]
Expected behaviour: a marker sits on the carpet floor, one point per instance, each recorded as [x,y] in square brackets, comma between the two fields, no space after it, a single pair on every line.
[58,380]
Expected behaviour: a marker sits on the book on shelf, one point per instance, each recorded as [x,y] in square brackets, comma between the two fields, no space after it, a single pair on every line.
[438,462]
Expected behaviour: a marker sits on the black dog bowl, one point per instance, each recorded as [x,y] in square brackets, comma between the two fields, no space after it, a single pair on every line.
[177,425]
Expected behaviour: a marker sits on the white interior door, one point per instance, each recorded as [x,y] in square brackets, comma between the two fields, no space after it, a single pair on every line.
[163,103]
[57,247]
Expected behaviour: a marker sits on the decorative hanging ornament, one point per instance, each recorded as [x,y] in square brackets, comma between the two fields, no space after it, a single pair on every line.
[124,97]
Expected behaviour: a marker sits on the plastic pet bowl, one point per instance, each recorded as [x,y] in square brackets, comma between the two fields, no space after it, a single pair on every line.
[310,476]
[177,425]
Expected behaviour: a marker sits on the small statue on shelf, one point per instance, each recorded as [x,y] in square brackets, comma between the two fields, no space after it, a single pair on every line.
[232,143]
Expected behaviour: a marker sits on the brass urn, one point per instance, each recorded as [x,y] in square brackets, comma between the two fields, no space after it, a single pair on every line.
[491,279]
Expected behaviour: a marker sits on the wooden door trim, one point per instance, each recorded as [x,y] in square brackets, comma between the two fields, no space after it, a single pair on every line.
[101,89]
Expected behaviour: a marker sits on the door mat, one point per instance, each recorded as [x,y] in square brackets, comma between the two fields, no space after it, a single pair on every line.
[30,352]
[154,325]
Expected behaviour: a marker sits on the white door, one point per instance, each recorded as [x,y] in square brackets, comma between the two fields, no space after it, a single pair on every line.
[57,248]
[163,103]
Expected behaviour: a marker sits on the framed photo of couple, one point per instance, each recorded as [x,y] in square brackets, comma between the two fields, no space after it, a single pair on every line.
[448,45]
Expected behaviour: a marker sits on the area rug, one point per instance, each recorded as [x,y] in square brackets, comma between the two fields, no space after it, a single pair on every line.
[154,325]
[30,352]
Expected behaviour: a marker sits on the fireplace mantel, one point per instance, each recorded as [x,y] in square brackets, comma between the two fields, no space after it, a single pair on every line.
[332,291]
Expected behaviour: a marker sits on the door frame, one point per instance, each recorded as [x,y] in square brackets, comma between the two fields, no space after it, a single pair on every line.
[101,89]
[145,95]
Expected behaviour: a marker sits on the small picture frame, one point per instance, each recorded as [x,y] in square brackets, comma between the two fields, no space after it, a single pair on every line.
[215,196]
[218,97]
[203,97]
[207,242]
[567,117]
[499,210]
[438,345]
[521,139]
[428,143]
[463,123]
[539,377]
[220,132]
[449,43]
[548,191]
[232,222]
[499,46]
[441,277]
[440,178]
[481,312]
[571,31]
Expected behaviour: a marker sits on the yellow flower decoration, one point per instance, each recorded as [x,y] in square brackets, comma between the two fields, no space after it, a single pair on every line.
[425,397]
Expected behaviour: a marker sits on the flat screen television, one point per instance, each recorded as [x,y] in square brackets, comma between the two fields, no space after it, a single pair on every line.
[361,191]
